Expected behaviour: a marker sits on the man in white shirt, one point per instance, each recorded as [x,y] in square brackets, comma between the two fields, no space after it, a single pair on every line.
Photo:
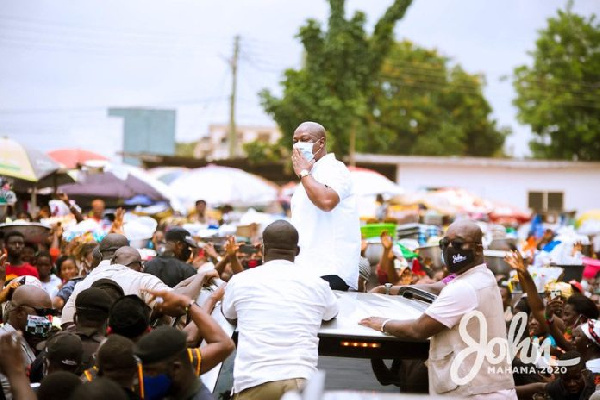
[324,210]
[132,281]
[471,299]
[279,308]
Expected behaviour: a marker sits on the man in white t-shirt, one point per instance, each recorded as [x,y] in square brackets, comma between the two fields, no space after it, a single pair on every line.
[279,308]
[471,299]
[324,210]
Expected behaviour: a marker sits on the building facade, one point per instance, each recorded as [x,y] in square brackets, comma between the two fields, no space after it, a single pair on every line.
[215,145]
[546,186]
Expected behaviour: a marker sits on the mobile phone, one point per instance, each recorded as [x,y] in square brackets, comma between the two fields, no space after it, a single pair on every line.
[554,294]
[38,326]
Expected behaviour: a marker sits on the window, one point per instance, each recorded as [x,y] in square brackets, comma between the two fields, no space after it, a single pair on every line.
[546,201]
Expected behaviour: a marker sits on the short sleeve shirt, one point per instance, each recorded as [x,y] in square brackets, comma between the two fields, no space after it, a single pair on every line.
[457,298]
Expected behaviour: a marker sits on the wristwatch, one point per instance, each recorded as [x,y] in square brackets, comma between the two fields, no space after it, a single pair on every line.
[303,173]
[388,286]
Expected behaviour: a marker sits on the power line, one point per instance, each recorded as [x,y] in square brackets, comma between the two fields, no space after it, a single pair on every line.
[102,30]
[106,107]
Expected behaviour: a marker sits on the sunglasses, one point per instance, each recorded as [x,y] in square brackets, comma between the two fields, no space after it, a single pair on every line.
[42,312]
[456,243]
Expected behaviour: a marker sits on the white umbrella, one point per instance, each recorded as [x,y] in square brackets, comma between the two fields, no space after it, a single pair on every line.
[222,185]
[369,182]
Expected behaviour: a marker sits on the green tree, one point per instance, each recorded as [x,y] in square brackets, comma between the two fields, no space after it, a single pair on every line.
[559,95]
[340,65]
[396,97]
[421,105]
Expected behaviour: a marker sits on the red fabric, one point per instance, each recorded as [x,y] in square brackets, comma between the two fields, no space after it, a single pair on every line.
[54,254]
[23,269]
[381,276]
[416,268]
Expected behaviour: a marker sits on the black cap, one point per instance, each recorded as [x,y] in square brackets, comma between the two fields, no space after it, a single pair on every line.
[65,348]
[93,298]
[178,234]
[280,235]
[161,344]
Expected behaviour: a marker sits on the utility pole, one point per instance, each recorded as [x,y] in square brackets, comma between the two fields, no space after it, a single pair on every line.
[232,125]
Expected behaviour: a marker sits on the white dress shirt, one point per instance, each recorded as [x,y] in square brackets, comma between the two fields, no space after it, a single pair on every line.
[329,241]
[279,309]
[130,280]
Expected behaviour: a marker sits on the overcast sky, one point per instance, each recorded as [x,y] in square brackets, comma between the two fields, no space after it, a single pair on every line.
[64,62]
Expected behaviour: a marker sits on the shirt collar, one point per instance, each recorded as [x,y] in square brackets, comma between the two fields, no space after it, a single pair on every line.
[323,160]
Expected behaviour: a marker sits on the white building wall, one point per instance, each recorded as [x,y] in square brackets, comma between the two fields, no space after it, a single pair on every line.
[581,187]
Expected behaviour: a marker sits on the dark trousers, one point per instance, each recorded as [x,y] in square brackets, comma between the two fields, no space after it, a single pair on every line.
[335,282]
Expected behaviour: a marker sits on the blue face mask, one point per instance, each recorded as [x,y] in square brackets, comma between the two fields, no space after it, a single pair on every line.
[156,387]
[305,149]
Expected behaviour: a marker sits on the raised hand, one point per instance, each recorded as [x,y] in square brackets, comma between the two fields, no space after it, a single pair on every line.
[299,163]
[231,247]
[515,260]
[117,225]
[386,241]
[169,303]
[210,251]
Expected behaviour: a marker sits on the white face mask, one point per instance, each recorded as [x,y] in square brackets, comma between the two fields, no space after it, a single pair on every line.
[306,149]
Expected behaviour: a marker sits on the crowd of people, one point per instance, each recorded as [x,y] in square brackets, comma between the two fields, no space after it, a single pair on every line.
[84,317]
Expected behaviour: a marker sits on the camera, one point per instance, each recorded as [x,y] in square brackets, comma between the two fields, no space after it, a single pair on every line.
[38,326]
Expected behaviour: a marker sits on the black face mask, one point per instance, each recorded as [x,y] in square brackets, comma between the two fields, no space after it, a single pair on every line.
[457,260]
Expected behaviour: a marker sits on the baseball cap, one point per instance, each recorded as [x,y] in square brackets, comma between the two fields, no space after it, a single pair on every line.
[178,234]
[65,348]
[126,255]
[93,298]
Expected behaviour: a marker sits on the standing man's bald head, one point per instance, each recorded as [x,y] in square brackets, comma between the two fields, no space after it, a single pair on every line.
[27,300]
[32,296]
[312,132]
[313,128]
[461,246]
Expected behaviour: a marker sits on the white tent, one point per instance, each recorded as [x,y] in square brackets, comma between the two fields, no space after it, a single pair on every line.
[221,185]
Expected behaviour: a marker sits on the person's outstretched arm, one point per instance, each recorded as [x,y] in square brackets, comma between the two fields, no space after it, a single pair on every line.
[218,345]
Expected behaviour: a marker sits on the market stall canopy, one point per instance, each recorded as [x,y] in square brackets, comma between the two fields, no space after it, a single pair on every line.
[119,181]
[167,174]
[72,158]
[369,182]
[366,182]
[223,186]
[451,201]
[589,222]
[29,167]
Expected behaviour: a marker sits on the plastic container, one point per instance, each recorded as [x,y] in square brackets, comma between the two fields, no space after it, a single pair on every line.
[375,230]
